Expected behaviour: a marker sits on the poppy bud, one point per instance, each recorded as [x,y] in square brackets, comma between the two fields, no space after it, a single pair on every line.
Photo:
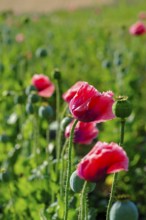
[56,74]
[45,112]
[19,99]
[65,121]
[122,107]
[126,210]
[76,183]
[33,98]
[41,52]
[30,89]
[4,138]
[29,108]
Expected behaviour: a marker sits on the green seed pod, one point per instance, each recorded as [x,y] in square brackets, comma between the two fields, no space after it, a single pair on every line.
[65,121]
[106,64]
[19,99]
[45,112]
[124,210]
[56,74]
[41,52]
[4,138]
[30,89]
[29,108]
[76,183]
[122,107]
[2,68]
[33,98]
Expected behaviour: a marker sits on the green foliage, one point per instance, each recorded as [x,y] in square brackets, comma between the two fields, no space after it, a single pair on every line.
[92,45]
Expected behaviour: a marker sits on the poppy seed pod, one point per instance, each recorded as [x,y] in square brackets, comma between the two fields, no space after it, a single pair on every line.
[56,74]
[33,98]
[122,107]
[76,183]
[126,210]
[45,112]
[30,89]
[29,108]
[65,121]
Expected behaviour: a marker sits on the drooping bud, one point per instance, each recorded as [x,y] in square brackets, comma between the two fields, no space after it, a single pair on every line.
[125,209]
[122,107]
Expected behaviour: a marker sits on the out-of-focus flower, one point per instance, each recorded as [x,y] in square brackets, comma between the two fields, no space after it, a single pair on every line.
[19,38]
[137,29]
[88,104]
[67,96]
[84,132]
[142,15]
[103,159]
[44,86]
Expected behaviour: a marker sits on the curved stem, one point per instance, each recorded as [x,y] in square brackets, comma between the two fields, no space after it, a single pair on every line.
[112,195]
[69,169]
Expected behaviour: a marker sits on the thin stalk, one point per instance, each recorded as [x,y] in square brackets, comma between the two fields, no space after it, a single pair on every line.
[69,169]
[62,171]
[83,213]
[58,134]
[112,194]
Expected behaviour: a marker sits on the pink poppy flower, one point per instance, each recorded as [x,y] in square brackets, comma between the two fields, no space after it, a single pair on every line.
[103,159]
[88,104]
[137,29]
[44,86]
[142,15]
[19,38]
[84,132]
[67,96]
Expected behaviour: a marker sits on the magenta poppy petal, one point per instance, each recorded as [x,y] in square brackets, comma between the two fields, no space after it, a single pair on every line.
[44,86]
[47,92]
[103,159]
[67,96]
[137,29]
[90,105]
[84,132]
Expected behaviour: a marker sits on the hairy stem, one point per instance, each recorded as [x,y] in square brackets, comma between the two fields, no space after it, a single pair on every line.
[112,195]
[69,169]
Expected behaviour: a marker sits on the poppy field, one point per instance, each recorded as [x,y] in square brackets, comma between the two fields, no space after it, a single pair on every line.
[73,131]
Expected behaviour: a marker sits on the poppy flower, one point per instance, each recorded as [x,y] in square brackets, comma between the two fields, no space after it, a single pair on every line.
[103,159]
[84,132]
[19,38]
[67,96]
[43,85]
[137,29]
[142,15]
[88,104]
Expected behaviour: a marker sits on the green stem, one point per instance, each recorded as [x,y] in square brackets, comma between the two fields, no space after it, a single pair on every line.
[83,213]
[62,173]
[112,195]
[58,134]
[69,169]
